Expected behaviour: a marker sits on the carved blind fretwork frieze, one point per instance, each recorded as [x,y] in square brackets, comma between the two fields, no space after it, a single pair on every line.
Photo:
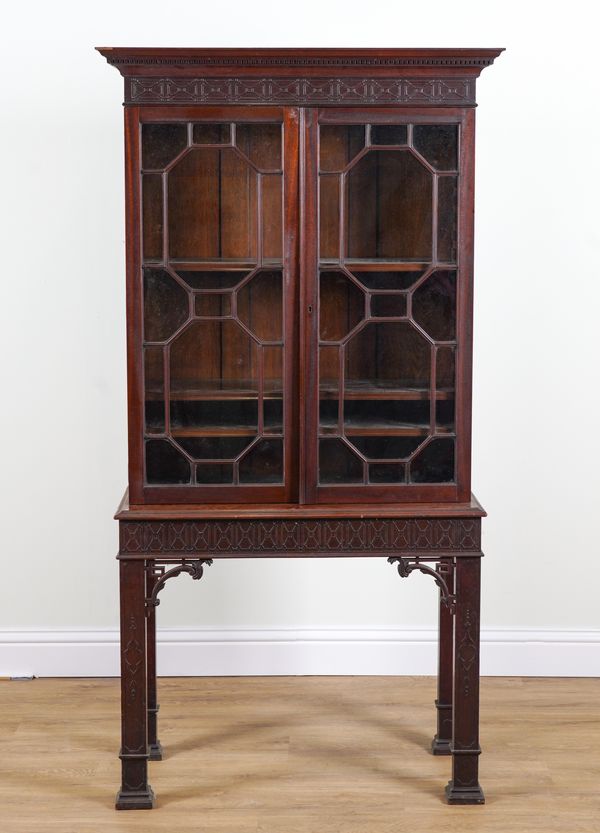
[300,91]
[384,536]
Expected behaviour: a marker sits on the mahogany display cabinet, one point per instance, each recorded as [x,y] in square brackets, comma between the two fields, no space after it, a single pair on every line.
[299,333]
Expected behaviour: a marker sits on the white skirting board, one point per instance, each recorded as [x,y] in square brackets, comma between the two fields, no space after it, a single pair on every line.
[205,652]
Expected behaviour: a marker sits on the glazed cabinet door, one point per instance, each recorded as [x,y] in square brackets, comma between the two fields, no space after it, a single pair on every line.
[388,296]
[213,203]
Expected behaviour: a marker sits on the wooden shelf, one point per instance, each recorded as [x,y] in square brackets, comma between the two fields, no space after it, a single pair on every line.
[376,264]
[367,390]
[215,431]
[226,431]
[221,264]
[382,429]
[239,390]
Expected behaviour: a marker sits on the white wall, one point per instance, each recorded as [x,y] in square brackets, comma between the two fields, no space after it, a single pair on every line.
[536,387]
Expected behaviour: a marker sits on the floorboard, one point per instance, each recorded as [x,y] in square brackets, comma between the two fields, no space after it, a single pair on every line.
[300,755]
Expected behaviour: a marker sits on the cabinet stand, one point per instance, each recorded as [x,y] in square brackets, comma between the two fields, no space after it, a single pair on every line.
[156,545]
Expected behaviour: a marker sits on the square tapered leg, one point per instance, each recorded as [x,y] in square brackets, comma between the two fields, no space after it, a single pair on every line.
[441,742]
[154,746]
[464,788]
[135,792]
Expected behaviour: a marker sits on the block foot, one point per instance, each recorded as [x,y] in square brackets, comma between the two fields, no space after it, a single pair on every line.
[440,747]
[135,799]
[155,751]
[464,795]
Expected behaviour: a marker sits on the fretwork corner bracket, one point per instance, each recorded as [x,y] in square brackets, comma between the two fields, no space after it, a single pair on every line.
[194,568]
[407,565]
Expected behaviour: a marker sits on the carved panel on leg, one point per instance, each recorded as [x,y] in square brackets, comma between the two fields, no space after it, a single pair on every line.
[441,742]
[464,787]
[135,792]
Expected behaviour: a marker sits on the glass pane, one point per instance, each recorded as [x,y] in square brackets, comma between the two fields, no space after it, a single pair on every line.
[338,464]
[328,416]
[211,134]
[161,143]
[434,305]
[273,415]
[329,368]
[210,357]
[212,305]
[445,368]
[438,143]
[152,217]
[435,463]
[388,414]
[212,206]
[385,447]
[387,473]
[388,306]
[260,305]
[214,473]
[388,356]
[273,369]
[401,279]
[445,384]
[166,305]
[447,219]
[329,217]
[165,464]
[261,143]
[444,415]
[154,386]
[341,305]
[272,216]
[214,448]
[389,134]
[263,463]
[339,144]
[200,278]
[234,416]
[389,207]
[329,373]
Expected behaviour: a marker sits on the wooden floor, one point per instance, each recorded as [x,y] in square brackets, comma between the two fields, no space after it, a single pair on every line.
[300,755]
